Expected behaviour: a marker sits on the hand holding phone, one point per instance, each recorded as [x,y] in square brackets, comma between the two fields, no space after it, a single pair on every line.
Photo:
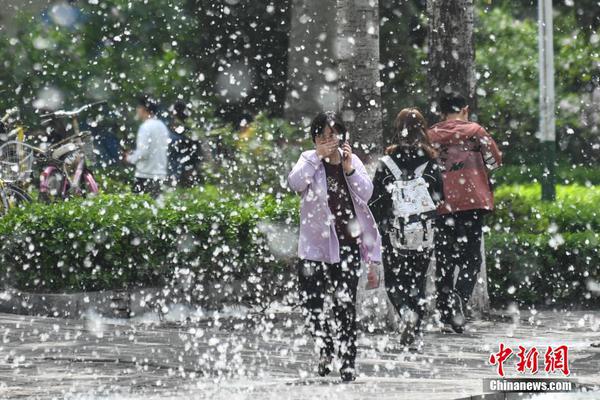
[347,158]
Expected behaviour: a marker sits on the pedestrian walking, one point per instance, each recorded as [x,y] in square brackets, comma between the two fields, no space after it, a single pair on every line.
[151,147]
[337,231]
[407,190]
[468,154]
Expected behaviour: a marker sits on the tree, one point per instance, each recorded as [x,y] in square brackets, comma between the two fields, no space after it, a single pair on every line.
[452,69]
[357,53]
[312,79]
[451,49]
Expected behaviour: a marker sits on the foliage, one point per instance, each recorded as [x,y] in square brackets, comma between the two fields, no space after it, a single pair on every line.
[542,253]
[545,253]
[508,85]
[403,34]
[174,49]
[541,269]
[112,241]
[229,60]
[520,210]
[113,50]
[257,157]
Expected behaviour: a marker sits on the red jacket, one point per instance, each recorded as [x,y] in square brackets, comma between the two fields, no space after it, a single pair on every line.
[468,153]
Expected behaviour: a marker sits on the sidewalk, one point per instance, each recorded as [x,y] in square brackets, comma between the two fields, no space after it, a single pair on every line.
[246,356]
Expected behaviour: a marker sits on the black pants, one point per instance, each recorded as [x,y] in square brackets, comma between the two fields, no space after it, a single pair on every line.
[153,187]
[457,246]
[405,280]
[339,281]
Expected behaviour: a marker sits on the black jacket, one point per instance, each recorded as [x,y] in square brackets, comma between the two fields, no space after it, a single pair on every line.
[407,159]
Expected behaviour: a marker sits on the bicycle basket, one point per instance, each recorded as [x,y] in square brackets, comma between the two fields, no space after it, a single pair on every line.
[16,160]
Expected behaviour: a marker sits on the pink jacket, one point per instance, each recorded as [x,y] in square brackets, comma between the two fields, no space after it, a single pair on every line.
[318,239]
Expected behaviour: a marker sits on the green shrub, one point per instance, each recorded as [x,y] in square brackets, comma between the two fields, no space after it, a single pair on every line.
[537,253]
[544,253]
[520,210]
[548,269]
[112,241]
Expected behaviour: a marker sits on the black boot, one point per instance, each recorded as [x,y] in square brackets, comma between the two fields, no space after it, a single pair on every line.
[325,364]
[456,319]
[347,372]
[408,334]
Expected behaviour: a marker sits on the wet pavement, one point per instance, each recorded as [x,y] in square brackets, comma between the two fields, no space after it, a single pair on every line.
[242,355]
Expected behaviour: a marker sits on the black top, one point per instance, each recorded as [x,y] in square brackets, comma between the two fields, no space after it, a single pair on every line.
[340,202]
[407,159]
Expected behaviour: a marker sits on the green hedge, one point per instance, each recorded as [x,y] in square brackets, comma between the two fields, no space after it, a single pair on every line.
[519,209]
[111,241]
[537,253]
[544,268]
[544,253]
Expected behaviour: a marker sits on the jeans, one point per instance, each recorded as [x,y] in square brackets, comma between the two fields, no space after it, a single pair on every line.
[338,281]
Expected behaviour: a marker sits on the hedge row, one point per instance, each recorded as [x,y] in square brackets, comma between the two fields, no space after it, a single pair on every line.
[519,209]
[537,252]
[112,241]
[545,269]
[542,252]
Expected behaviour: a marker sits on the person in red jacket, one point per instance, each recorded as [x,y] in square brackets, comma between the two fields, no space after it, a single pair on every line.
[467,154]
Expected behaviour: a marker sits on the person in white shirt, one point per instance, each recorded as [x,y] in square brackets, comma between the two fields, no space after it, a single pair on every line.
[151,148]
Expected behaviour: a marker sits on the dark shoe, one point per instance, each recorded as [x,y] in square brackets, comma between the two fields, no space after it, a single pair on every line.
[450,327]
[347,374]
[407,337]
[456,320]
[325,365]
[347,371]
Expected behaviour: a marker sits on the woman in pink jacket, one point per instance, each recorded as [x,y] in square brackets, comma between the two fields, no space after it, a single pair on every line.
[337,231]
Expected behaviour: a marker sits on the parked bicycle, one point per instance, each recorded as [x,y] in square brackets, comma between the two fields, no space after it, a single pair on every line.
[16,161]
[64,164]
[66,172]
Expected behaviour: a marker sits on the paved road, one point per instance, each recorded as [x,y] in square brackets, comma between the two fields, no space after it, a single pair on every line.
[264,357]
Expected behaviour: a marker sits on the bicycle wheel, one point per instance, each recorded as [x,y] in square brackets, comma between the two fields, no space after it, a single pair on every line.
[12,196]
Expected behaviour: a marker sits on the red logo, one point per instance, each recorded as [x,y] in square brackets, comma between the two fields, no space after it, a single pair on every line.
[528,360]
[555,359]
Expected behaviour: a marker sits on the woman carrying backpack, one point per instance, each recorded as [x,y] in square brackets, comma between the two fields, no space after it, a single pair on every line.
[337,231]
[407,189]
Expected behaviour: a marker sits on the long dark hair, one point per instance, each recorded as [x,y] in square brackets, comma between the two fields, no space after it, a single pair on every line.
[410,131]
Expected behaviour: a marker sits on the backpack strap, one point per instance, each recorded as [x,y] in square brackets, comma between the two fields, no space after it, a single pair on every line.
[392,166]
[421,169]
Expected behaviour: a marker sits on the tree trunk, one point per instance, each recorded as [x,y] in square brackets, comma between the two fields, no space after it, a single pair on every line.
[452,69]
[312,80]
[357,53]
[451,49]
